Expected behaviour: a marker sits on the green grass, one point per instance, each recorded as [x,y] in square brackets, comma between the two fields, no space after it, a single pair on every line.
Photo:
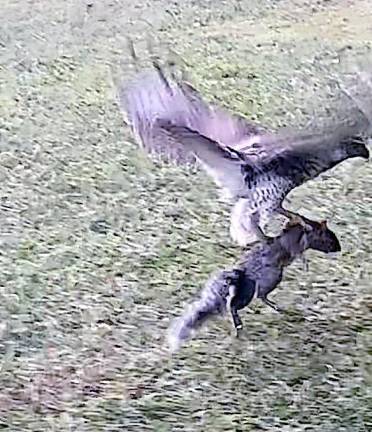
[100,248]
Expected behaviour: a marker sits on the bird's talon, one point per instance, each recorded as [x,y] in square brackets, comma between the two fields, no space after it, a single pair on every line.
[297,220]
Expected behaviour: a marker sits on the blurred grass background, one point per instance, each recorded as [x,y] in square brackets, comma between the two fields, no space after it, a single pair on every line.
[100,248]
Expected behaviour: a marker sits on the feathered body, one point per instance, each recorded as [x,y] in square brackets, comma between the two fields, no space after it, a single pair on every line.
[256,274]
[256,168]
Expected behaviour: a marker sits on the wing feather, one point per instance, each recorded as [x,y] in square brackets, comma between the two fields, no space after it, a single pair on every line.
[151,97]
[303,156]
[224,166]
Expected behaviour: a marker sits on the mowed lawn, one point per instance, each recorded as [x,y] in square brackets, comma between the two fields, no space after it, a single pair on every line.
[101,248]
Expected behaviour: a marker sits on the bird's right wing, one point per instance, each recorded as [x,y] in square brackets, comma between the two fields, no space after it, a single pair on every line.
[301,156]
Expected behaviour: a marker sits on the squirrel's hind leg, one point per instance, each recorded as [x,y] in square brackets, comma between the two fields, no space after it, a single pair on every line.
[238,324]
[232,308]
[240,295]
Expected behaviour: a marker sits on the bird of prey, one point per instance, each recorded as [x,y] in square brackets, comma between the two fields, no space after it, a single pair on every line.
[256,167]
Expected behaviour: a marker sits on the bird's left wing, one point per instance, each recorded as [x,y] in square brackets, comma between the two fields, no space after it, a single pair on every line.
[153,96]
[224,165]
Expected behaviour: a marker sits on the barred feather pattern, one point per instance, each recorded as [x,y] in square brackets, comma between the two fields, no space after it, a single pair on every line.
[152,97]
[255,169]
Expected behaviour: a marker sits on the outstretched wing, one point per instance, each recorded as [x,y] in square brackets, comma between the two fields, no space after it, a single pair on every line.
[297,159]
[151,97]
[225,166]
[303,156]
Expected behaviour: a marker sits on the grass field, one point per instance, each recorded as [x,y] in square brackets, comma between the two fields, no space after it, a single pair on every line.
[100,248]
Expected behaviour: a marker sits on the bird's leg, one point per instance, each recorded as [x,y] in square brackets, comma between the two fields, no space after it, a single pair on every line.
[264,219]
[260,234]
[255,224]
[244,226]
[271,304]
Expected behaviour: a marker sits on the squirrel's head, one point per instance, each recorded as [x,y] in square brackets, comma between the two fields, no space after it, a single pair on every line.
[315,235]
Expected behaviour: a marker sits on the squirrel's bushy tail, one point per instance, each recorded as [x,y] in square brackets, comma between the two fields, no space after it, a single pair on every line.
[212,302]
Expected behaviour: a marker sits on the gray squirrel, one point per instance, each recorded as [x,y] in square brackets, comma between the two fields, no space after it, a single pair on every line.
[258,272]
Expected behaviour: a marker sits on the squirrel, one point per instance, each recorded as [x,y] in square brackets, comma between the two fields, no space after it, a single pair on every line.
[258,272]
